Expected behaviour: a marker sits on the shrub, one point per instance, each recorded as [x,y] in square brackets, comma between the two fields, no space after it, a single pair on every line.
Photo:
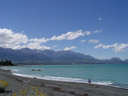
[31,91]
[3,85]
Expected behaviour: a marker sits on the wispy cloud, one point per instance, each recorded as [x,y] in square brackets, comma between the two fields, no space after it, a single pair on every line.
[97,31]
[87,33]
[70,35]
[40,40]
[93,41]
[121,47]
[100,19]
[69,48]
[115,47]
[98,46]
[66,36]
[82,41]
[55,46]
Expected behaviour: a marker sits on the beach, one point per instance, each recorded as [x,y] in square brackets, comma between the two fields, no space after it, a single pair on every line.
[59,88]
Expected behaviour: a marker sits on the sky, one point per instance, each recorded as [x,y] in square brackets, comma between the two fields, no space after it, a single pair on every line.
[93,27]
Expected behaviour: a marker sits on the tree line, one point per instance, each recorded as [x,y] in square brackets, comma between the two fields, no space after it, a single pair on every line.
[6,63]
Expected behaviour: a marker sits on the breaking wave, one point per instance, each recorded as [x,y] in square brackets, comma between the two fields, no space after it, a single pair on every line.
[65,79]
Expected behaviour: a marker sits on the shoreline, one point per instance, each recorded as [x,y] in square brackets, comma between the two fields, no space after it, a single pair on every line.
[26,76]
[60,88]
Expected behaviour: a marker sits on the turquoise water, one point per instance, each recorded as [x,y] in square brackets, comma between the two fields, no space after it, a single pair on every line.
[104,74]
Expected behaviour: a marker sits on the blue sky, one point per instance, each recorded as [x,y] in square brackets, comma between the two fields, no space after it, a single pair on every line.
[94,27]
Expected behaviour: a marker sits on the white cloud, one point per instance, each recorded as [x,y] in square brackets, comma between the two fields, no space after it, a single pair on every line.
[87,32]
[98,46]
[70,35]
[93,41]
[36,45]
[110,46]
[106,46]
[41,40]
[9,39]
[100,19]
[69,48]
[115,47]
[121,47]
[82,41]
[97,31]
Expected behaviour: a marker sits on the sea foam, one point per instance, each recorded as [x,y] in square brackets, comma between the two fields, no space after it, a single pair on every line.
[65,79]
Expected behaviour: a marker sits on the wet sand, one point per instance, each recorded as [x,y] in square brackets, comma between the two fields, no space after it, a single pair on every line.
[58,88]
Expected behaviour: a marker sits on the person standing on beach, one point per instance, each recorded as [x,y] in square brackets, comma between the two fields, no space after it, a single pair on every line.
[89,81]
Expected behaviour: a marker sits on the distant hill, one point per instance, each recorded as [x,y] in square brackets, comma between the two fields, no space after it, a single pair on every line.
[126,60]
[29,56]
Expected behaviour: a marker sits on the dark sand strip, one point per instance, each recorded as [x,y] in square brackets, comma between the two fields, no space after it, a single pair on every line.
[57,88]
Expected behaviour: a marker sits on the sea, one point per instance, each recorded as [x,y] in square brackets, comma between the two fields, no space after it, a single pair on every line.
[103,74]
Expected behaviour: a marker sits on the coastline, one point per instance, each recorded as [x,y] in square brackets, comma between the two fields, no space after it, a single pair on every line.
[59,88]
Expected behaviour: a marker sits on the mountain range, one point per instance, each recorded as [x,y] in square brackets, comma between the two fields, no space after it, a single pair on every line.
[31,56]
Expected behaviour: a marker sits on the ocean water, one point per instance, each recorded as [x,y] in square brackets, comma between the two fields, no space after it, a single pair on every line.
[103,74]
